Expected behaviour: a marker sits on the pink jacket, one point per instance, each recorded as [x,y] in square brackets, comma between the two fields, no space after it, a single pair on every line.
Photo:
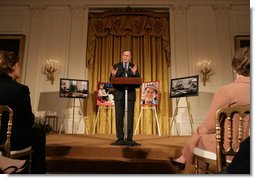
[236,93]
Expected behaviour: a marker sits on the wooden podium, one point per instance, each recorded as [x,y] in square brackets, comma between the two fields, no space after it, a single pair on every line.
[124,82]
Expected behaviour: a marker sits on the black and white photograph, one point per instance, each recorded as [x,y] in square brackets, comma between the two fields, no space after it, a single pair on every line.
[184,87]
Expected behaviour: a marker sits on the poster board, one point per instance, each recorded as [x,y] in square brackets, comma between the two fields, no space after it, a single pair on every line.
[73,88]
[105,94]
[184,87]
[149,93]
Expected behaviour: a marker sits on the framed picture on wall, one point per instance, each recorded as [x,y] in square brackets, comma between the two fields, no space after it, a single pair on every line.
[242,41]
[15,43]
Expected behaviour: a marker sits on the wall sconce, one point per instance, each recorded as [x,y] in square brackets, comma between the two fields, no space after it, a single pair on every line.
[204,68]
[49,68]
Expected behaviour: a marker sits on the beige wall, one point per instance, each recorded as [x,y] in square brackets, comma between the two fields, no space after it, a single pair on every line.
[57,29]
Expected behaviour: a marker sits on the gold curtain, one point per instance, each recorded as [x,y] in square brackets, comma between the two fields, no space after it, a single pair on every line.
[146,34]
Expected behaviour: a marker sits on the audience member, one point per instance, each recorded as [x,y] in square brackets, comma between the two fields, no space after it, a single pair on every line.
[236,93]
[17,97]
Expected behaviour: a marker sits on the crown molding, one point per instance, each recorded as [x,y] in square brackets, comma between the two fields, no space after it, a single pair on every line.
[122,3]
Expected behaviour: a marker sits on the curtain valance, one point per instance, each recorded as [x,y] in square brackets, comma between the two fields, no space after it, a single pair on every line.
[131,22]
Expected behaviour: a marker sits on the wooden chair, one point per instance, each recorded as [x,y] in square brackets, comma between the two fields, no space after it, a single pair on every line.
[232,127]
[5,132]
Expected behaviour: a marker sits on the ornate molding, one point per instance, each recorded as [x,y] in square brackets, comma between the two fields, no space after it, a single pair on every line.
[38,10]
[78,10]
[180,9]
[222,10]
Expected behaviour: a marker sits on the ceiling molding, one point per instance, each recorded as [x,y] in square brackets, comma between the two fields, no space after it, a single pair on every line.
[122,3]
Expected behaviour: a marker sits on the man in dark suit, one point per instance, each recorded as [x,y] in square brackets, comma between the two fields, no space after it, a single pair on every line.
[16,96]
[124,69]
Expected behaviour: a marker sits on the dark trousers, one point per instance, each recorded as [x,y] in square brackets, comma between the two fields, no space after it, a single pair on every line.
[38,146]
[119,113]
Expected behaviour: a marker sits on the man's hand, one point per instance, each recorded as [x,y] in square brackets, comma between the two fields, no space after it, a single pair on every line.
[134,69]
[114,71]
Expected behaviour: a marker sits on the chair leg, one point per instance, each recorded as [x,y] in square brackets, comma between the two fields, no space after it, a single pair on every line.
[196,165]
[207,168]
[201,167]
[30,163]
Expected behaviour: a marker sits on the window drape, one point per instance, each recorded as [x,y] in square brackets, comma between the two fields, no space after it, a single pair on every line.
[146,35]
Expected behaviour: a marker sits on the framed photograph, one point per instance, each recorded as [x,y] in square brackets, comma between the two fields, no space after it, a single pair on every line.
[15,43]
[73,88]
[149,93]
[105,94]
[184,87]
[242,41]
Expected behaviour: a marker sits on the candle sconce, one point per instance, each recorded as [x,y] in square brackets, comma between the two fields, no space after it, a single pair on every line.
[49,68]
[205,68]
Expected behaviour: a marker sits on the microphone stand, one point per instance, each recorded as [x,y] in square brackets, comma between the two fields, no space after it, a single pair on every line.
[126,108]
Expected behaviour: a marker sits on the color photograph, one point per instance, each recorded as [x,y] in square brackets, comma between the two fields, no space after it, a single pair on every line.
[104,94]
[150,93]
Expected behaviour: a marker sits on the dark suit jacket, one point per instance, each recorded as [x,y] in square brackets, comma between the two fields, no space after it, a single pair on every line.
[241,162]
[119,92]
[16,96]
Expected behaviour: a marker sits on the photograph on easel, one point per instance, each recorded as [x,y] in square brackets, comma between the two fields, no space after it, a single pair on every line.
[105,94]
[184,87]
[150,93]
[73,88]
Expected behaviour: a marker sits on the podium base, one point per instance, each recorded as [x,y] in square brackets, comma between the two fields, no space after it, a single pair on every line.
[125,142]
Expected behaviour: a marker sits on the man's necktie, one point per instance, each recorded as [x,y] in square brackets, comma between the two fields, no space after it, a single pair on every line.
[126,69]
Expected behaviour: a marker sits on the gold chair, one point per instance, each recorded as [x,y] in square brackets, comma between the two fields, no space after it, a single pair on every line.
[5,131]
[232,127]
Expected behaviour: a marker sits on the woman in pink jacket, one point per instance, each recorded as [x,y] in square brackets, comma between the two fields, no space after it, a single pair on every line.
[236,93]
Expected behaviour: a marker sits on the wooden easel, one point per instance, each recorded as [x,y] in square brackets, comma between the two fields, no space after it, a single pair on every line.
[155,114]
[176,113]
[98,112]
[82,115]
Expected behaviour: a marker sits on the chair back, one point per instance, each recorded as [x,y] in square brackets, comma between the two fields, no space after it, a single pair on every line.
[6,116]
[232,127]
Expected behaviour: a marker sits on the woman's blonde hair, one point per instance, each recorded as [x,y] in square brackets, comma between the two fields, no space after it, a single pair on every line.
[7,60]
[241,61]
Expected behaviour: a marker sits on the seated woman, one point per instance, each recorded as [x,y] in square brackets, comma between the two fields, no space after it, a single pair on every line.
[236,93]
[17,97]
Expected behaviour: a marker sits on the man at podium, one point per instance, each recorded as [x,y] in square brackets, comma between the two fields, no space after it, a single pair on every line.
[124,69]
